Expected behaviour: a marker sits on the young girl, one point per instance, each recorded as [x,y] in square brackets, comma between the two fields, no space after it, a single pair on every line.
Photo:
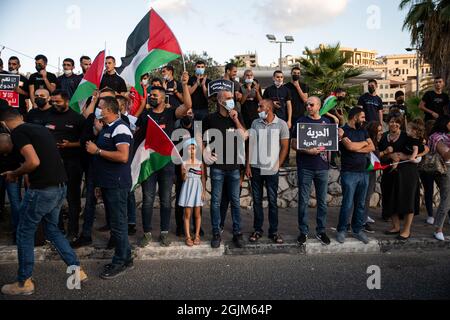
[193,191]
[415,142]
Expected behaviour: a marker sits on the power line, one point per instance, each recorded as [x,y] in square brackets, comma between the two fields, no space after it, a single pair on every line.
[22,54]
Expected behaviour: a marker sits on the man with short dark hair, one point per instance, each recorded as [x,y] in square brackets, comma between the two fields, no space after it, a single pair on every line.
[231,75]
[174,89]
[85,64]
[66,126]
[372,103]
[281,96]
[198,89]
[23,88]
[299,94]
[111,79]
[69,81]
[43,200]
[41,79]
[435,103]
[112,167]
[39,115]
[399,103]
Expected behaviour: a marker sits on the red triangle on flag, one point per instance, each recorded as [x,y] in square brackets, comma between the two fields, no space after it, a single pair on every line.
[95,72]
[161,37]
[157,140]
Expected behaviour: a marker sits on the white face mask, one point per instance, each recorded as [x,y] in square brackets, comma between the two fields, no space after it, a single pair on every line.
[14,71]
[98,114]
[263,115]
[68,72]
[145,82]
[249,81]
[278,83]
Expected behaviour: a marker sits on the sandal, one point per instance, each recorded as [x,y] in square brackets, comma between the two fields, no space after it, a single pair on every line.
[276,238]
[189,242]
[197,241]
[255,237]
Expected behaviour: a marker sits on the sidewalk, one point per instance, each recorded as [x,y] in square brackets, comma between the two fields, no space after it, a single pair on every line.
[421,239]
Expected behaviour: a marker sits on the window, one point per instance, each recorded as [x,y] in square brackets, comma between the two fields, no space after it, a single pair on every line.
[405,61]
[407,71]
[397,62]
[403,71]
[392,95]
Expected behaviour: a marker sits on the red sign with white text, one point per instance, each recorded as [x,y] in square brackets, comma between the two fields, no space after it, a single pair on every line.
[10,96]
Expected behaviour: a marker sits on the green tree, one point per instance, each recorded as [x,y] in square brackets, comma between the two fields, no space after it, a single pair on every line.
[239,62]
[428,21]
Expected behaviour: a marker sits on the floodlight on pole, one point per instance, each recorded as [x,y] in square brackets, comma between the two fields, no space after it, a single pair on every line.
[273,39]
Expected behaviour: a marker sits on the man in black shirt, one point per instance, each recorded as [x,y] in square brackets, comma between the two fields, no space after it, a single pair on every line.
[435,103]
[69,81]
[66,126]
[281,96]
[85,64]
[111,79]
[198,89]
[23,88]
[251,95]
[42,201]
[299,94]
[41,79]
[174,89]
[39,115]
[372,103]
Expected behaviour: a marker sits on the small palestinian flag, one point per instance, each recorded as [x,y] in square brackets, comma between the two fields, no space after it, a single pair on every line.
[329,104]
[150,46]
[375,163]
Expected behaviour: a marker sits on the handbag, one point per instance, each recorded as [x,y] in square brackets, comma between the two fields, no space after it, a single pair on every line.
[432,163]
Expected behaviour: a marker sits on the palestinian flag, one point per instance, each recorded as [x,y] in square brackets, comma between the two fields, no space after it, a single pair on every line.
[329,104]
[150,46]
[89,84]
[153,154]
[375,163]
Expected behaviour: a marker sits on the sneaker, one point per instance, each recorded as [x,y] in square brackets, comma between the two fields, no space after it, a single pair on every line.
[113,271]
[145,240]
[81,242]
[439,236]
[302,238]
[105,228]
[370,220]
[340,237]
[361,236]
[430,220]
[19,289]
[164,239]
[323,238]
[215,242]
[131,229]
[238,240]
[367,228]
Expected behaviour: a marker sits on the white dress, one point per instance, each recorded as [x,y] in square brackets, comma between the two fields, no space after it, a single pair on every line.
[191,191]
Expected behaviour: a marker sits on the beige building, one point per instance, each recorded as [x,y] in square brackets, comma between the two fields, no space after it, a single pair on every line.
[387,89]
[356,57]
[250,59]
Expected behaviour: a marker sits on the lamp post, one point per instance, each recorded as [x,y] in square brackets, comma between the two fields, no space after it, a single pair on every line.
[417,67]
[273,39]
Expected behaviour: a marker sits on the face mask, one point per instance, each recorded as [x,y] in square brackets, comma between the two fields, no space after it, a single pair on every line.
[98,114]
[371,90]
[295,77]
[263,115]
[229,105]
[40,102]
[39,68]
[68,72]
[145,82]
[340,98]
[249,81]
[154,103]
[400,101]
[14,71]
[166,78]
[199,71]
[278,83]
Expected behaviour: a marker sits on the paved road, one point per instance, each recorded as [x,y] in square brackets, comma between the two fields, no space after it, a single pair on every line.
[403,276]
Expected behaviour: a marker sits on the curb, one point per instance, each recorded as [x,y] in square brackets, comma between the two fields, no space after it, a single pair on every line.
[178,250]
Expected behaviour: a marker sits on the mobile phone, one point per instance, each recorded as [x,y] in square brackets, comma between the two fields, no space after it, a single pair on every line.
[167,99]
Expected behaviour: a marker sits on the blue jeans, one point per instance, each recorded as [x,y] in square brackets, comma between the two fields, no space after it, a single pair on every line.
[233,184]
[41,205]
[90,205]
[15,198]
[305,180]
[131,208]
[354,190]
[165,180]
[116,203]
[271,183]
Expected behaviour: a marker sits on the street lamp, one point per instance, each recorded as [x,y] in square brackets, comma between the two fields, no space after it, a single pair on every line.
[273,39]
[417,67]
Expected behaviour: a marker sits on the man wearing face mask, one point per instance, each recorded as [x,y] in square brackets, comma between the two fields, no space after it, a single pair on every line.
[139,103]
[281,97]
[198,89]
[251,96]
[40,114]
[231,75]
[66,126]
[69,81]
[41,79]
[299,94]
[269,146]
[166,119]
[225,163]
[174,89]
[23,88]
[372,103]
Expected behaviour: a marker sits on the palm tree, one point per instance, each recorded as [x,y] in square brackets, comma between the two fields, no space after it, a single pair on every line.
[325,70]
[239,62]
[429,24]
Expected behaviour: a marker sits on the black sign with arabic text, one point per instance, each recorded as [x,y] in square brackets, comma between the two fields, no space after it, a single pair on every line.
[316,135]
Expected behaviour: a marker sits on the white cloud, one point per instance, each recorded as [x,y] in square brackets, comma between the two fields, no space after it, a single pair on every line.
[293,15]
[171,6]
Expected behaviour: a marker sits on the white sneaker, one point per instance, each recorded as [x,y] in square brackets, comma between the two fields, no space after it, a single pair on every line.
[439,236]
[430,220]
[370,220]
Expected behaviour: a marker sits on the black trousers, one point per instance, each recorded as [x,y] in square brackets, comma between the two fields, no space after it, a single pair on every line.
[74,173]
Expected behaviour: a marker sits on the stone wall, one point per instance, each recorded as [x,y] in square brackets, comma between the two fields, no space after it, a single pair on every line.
[288,192]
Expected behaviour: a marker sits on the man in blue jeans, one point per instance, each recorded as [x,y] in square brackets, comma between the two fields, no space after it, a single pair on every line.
[313,166]
[112,167]
[356,145]
[268,148]
[42,201]
[225,126]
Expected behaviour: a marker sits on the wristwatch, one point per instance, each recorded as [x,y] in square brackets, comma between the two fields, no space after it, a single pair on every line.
[98,152]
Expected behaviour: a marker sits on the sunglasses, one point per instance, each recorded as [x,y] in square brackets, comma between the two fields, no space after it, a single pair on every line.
[310,104]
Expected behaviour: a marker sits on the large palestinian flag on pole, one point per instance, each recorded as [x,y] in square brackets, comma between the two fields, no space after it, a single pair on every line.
[153,154]
[150,46]
[89,84]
